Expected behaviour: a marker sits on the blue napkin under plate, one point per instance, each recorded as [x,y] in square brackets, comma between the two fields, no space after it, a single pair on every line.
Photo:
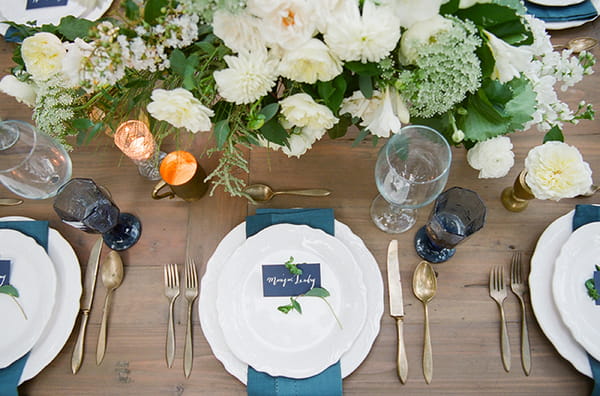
[329,381]
[10,376]
[585,214]
[577,12]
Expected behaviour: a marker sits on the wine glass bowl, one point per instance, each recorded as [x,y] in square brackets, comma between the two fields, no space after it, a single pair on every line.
[411,171]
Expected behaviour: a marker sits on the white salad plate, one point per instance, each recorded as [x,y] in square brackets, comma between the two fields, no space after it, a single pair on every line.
[574,266]
[66,304]
[542,300]
[556,3]
[572,24]
[350,360]
[32,274]
[15,11]
[294,345]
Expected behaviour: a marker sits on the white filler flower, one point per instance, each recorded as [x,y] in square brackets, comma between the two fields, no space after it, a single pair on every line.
[556,170]
[43,54]
[181,109]
[493,158]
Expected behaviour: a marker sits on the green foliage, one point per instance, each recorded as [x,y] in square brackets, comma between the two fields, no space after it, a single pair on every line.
[292,267]
[332,92]
[71,28]
[154,9]
[554,134]
[10,290]
[274,132]
[221,131]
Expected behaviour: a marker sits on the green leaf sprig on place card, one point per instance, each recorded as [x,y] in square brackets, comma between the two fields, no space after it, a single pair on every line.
[293,268]
[591,288]
[13,293]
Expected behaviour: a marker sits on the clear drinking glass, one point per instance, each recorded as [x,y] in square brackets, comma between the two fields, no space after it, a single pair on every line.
[411,171]
[32,164]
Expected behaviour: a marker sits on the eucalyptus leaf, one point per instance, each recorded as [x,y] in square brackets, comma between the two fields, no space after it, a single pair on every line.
[365,84]
[296,305]
[221,131]
[317,292]
[269,111]
[10,290]
[361,136]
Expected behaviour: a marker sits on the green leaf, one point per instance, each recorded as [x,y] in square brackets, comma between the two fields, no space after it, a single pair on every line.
[82,123]
[132,10]
[10,290]
[296,305]
[450,7]
[317,292]
[206,47]
[554,134]
[366,85]
[293,268]
[153,10]
[72,28]
[178,62]
[274,132]
[285,308]
[501,20]
[269,111]
[340,129]
[361,136]
[357,67]
[221,131]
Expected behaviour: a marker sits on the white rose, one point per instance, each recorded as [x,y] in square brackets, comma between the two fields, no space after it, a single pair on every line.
[556,170]
[181,109]
[72,62]
[493,158]
[310,62]
[510,61]
[410,11]
[240,31]
[43,54]
[21,91]
[419,34]
[301,110]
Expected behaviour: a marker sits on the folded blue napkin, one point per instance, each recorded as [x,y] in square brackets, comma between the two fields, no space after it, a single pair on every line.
[577,12]
[10,376]
[585,214]
[329,381]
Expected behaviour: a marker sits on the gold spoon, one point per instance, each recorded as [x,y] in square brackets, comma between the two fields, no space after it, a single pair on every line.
[262,192]
[112,276]
[424,287]
[578,44]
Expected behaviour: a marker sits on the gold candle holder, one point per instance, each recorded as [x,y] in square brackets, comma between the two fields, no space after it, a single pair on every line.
[135,140]
[517,197]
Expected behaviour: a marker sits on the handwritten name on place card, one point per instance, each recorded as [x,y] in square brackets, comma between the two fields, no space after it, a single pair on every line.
[279,282]
[44,3]
[4,272]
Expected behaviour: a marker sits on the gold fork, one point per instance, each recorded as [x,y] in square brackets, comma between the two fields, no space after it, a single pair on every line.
[498,293]
[191,293]
[518,287]
[171,291]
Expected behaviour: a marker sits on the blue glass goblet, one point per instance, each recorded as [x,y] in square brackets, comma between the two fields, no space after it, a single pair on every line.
[457,214]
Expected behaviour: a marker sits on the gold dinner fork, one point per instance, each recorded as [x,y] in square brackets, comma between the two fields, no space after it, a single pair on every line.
[191,293]
[517,284]
[498,293]
[171,291]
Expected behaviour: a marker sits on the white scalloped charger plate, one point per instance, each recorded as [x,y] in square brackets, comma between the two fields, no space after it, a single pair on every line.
[574,265]
[350,360]
[66,305]
[32,274]
[293,345]
[572,24]
[542,300]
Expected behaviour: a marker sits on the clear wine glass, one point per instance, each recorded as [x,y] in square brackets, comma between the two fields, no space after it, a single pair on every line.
[411,171]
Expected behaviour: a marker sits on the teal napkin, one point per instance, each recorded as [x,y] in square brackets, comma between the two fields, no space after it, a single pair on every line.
[585,214]
[577,12]
[10,376]
[329,381]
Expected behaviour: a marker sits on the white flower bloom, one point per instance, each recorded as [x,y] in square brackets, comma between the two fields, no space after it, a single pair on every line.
[369,37]
[493,158]
[541,39]
[72,62]
[310,62]
[411,11]
[21,91]
[382,113]
[469,3]
[249,76]
[43,54]
[181,109]
[240,32]
[419,34]
[556,170]
[510,61]
[301,110]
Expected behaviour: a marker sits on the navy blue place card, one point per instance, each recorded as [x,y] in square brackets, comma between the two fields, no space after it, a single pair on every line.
[597,283]
[278,281]
[4,272]
[31,4]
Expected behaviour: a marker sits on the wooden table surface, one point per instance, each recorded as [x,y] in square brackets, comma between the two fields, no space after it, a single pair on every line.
[464,319]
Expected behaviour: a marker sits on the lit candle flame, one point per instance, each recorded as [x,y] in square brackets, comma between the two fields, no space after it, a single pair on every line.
[135,140]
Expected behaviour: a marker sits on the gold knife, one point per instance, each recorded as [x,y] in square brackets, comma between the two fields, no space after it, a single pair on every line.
[397,306]
[87,297]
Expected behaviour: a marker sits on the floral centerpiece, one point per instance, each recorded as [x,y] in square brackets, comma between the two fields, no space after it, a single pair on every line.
[283,73]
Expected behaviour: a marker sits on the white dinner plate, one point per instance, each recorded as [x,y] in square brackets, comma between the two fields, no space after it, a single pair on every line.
[542,300]
[15,11]
[32,274]
[66,305]
[350,360]
[573,267]
[556,3]
[293,345]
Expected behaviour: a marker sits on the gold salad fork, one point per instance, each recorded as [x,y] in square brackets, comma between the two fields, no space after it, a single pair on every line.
[171,291]
[498,293]
[191,293]
[518,286]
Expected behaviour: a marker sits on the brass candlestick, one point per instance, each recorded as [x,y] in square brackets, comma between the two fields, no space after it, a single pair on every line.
[517,197]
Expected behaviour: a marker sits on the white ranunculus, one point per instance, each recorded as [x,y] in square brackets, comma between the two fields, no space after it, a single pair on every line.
[510,61]
[43,54]
[420,34]
[556,170]
[249,76]
[181,109]
[493,158]
[369,37]
[240,31]
[72,62]
[410,12]
[21,91]
[301,110]
[309,63]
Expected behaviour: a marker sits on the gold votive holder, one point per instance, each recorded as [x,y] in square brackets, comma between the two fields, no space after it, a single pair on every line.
[517,197]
